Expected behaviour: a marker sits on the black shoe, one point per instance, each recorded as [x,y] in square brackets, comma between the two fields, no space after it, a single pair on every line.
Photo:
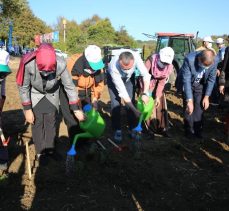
[166,134]
[189,135]
[55,156]
[149,135]
[199,136]
[42,159]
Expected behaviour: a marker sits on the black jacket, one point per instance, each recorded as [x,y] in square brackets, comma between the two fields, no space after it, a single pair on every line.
[224,76]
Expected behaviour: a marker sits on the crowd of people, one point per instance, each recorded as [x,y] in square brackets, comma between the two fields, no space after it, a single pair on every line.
[47,83]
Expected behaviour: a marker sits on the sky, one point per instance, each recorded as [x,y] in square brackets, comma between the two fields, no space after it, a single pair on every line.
[209,17]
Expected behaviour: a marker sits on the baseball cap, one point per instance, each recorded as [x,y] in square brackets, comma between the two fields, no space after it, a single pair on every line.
[93,56]
[4,59]
[166,55]
[208,39]
[219,40]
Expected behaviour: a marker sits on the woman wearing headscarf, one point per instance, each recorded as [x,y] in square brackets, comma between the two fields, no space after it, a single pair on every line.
[39,77]
[160,67]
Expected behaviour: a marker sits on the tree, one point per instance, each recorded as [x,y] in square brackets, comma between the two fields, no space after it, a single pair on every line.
[76,38]
[123,38]
[25,24]
[89,22]
[102,32]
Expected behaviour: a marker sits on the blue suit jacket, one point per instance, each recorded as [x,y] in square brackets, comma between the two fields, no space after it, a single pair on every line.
[190,70]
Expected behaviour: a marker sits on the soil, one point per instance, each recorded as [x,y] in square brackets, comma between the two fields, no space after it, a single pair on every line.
[166,174]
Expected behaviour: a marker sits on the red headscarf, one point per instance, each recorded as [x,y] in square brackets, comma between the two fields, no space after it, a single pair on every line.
[45,58]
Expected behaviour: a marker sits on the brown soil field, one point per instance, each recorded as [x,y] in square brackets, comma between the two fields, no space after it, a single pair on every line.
[167,174]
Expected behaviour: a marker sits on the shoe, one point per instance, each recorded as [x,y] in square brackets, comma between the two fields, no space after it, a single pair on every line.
[132,134]
[189,135]
[42,159]
[55,155]
[118,136]
[166,133]
[199,136]
[148,135]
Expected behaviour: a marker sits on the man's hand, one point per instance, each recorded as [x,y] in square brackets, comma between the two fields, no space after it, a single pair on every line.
[221,89]
[79,115]
[157,102]
[205,102]
[190,107]
[95,104]
[217,73]
[130,105]
[29,116]
[145,99]
[137,113]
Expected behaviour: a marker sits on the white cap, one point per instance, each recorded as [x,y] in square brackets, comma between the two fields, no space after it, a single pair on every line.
[93,56]
[208,39]
[4,57]
[4,60]
[219,40]
[166,55]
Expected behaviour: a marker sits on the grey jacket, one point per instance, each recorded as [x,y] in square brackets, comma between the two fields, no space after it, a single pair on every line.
[31,92]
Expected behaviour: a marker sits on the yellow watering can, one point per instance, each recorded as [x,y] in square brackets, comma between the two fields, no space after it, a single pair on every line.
[93,126]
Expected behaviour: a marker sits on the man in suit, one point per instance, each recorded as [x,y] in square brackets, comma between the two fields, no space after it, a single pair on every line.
[198,76]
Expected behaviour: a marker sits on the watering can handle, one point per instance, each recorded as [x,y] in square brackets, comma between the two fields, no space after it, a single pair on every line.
[81,135]
[141,118]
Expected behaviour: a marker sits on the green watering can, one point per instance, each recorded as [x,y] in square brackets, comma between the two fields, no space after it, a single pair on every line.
[93,126]
[146,111]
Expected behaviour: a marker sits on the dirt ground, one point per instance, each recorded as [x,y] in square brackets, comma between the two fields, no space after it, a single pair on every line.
[168,174]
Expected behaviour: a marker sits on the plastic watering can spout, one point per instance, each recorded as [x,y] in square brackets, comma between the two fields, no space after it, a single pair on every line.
[139,126]
[81,135]
[72,151]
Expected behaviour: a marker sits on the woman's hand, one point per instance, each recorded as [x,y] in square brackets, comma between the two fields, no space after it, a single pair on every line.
[80,115]
[157,102]
[29,116]
[145,99]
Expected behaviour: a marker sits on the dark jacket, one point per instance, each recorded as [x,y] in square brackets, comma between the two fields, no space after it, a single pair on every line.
[189,72]
[86,79]
[224,76]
